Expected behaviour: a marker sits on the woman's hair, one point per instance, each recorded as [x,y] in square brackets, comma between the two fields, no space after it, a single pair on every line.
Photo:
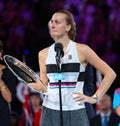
[70,21]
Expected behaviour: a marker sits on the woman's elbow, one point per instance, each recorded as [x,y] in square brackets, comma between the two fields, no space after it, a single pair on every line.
[114,75]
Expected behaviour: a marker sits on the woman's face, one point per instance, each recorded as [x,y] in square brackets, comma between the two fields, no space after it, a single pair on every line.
[58,26]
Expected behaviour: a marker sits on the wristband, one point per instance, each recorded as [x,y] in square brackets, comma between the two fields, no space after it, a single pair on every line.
[95,97]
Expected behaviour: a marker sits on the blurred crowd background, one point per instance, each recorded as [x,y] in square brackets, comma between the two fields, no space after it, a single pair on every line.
[24,28]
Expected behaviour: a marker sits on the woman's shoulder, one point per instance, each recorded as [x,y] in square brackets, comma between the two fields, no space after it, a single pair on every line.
[43,52]
[82,47]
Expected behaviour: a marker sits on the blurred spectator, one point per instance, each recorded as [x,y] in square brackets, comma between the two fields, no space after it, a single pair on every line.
[31,109]
[106,114]
[57,5]
[109,56]
[31,104]
[76,3]
[1,6]
[85,22]
[15,40]
[7,91]
[116,101]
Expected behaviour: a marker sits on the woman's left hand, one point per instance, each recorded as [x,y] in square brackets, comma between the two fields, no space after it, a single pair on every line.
[81,98]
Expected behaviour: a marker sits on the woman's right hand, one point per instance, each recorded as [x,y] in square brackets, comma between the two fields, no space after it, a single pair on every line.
[39,86]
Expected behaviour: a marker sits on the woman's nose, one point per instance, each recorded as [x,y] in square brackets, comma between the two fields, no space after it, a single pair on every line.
[52,26]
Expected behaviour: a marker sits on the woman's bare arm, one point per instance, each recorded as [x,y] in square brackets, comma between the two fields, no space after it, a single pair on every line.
[87,55]
[41,84]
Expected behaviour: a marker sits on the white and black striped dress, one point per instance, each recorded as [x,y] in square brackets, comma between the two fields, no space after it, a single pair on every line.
[72,79]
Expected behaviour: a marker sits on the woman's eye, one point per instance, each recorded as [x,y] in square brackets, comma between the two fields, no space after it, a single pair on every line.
[51,22]
[57,22]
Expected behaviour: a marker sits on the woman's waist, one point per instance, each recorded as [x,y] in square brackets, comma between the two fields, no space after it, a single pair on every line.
[68,103]
[67,97]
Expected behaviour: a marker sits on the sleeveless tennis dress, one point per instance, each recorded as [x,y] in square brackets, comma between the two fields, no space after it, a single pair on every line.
[71,76]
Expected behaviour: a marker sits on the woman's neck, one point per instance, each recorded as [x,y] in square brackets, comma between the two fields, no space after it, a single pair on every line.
[63,41]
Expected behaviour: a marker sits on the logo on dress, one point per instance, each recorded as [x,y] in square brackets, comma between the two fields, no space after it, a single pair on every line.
[69,57]
[59,76]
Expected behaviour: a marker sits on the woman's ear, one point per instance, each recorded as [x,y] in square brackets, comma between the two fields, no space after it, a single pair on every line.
[68,27]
